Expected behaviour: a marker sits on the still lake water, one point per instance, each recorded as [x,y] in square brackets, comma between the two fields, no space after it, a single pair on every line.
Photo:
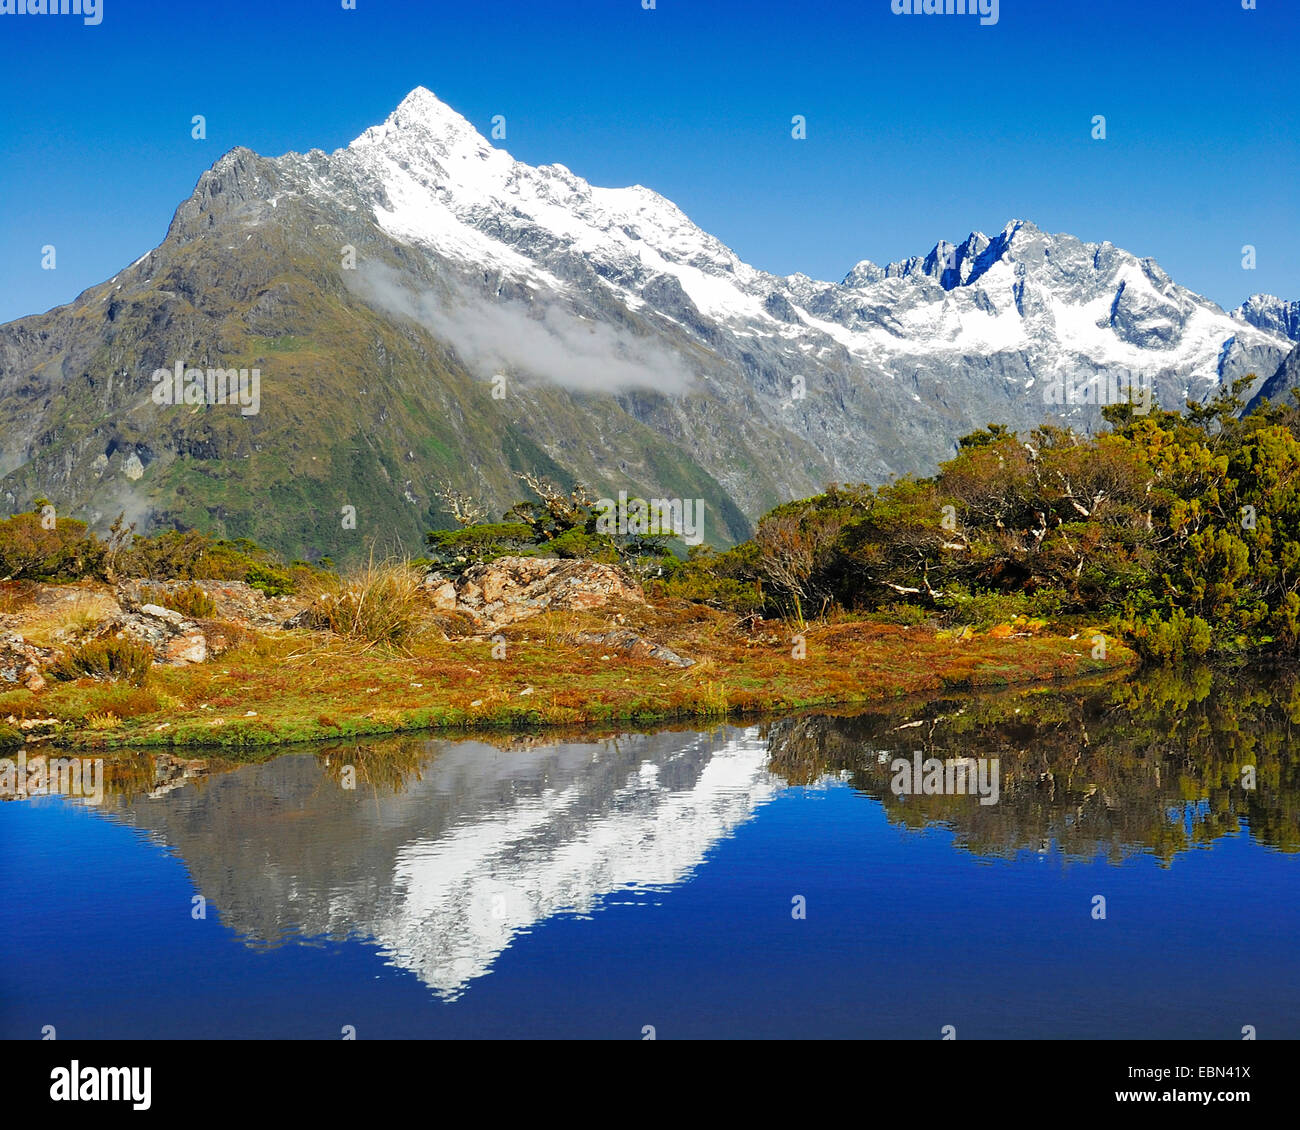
[593,886]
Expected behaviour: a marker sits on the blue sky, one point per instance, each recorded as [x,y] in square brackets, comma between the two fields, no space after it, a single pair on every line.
[919,127]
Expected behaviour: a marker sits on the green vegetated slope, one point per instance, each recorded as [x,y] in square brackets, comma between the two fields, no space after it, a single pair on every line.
[357,409]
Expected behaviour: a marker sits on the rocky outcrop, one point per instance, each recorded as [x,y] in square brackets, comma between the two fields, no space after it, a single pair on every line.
[67,616]
[172,638]
[629,643]
[1278,388]
[236,602]
[1271,314]
[177,640]
[514,588]
[21,662]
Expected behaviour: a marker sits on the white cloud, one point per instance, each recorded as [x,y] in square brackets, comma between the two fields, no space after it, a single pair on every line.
[540,340]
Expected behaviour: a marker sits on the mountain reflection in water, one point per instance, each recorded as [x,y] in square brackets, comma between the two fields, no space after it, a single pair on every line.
[446,860]
[447,851]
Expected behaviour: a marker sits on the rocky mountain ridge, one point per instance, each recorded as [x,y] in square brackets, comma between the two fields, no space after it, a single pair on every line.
[420,308]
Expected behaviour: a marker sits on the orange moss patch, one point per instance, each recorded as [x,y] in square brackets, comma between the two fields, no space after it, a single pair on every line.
[306,685]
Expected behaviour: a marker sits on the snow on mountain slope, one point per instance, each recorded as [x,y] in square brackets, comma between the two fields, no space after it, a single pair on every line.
[447,188]
[1054,300]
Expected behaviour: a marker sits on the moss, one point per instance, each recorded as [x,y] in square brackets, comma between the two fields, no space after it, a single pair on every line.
[295,686]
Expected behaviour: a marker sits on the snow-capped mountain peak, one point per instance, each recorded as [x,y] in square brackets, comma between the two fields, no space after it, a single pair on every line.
[423,115]
[1030,305]
[441,185]
[641,350]
[1271,314]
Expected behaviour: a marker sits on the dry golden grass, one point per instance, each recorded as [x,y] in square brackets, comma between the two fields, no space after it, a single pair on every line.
[379,604]
[16,596]
[291,685]
[190,600]
[53,624]
[105,721]
[125,659]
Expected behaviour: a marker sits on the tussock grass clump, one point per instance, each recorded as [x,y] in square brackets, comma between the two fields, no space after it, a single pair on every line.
[104,721]
[47,627]
[16,595]
[106,659]
[190,601]
[378,603]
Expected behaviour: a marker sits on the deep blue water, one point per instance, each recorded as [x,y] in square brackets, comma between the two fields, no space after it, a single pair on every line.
[590,888]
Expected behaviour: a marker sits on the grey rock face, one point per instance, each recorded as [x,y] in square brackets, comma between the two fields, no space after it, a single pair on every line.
[1278,388]
[1271,314]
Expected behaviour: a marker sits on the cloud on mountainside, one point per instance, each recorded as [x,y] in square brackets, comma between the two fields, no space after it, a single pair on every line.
[542,340]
